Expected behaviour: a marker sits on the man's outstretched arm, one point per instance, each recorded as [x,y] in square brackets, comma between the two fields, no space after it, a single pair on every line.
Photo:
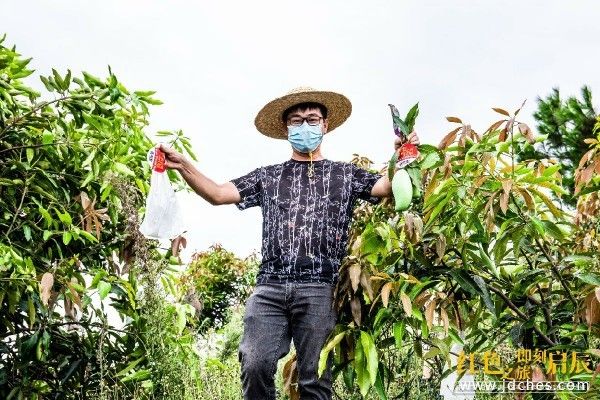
[383,186]
[205,187]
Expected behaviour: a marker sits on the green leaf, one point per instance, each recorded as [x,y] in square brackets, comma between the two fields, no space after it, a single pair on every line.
[66,237]
[399,328]
[27,232]
[46,235]
[47,137]
[370,352]
[99,275]
[130,366]
[465,281]
[59,81]
[362,374]
[151,100]
[579,260]
[379,386]
[89,158]
[430,160]
[140,375]
[65,218]
[122,168]
[327,349]
[392,165]
[589,277]
[485,294]
[103,289]
[31,311]
[538,226]
[181,319]
[30,153]
[411,118]
[88,236]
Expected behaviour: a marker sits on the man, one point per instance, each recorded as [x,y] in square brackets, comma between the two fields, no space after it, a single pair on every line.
[307,204]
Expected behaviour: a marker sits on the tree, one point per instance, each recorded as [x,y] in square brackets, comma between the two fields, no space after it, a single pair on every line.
[566,123]
[73,180]
[485,260]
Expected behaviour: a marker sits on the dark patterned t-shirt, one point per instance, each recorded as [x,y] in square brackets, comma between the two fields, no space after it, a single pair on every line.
[305,221]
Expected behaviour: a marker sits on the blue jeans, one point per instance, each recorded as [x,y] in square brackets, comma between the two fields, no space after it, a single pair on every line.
[277,313]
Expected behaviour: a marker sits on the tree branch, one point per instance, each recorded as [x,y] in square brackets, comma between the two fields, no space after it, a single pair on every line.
[520,314]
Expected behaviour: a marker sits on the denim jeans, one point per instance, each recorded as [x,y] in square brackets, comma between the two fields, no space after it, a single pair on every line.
[276,314]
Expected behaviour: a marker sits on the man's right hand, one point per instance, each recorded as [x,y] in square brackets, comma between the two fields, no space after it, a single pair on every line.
[173,159]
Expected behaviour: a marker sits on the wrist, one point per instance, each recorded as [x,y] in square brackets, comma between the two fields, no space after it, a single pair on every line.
[185,167]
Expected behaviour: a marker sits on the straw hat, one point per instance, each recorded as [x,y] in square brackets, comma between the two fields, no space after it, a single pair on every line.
[269,119]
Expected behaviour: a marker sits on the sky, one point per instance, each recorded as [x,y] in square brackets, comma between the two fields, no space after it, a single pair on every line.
[215,64]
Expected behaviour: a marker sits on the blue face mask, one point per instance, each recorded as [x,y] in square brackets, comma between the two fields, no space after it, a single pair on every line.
[305,138]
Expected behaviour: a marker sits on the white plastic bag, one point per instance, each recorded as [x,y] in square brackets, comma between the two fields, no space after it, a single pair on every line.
[163,216]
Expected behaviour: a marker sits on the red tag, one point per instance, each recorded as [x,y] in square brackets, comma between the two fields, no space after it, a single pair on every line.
[156,157]
[407,153]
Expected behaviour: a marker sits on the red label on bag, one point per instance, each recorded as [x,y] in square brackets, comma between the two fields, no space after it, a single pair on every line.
[159,161]
[156,158]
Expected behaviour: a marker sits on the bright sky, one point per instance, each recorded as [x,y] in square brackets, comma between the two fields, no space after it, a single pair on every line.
[215,64]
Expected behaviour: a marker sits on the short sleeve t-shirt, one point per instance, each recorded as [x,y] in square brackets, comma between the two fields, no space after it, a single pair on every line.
[305,220]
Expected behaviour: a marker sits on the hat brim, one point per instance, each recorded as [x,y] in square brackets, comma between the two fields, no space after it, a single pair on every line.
[269,120]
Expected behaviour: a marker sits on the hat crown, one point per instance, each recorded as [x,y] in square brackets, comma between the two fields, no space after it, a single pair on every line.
[301,89]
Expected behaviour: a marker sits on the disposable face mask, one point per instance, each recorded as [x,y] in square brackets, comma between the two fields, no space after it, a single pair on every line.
[305,138]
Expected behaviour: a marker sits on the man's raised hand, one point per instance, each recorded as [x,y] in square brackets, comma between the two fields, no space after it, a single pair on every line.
[413,138]
[173,159]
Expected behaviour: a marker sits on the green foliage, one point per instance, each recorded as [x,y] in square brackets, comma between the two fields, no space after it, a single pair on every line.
[566,123]
[73,180]
[484,258]
[217,280]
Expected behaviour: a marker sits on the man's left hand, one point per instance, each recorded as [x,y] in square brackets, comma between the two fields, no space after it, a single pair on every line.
[412,138]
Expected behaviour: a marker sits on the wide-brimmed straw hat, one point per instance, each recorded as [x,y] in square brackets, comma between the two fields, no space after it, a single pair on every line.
[269,120]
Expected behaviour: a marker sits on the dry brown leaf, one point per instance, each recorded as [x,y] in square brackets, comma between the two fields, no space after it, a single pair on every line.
[385,293]
[526,131]
[528,198]
[519,109]
[586,174]
[365,282]
[592,309]
[356,245]
[69,309]
[409,225]
[454,119]
[501,111]
[177,244]
[478,182]
[355,307]
[406,304]
[290,378]
[537,375]
[597,291]
[586,157]
[449,138]
[429,313]
[91,218]
[495,125]
[445,320]
[46,284]
[354,272]
[440,246]
[421,299]
[507,185]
